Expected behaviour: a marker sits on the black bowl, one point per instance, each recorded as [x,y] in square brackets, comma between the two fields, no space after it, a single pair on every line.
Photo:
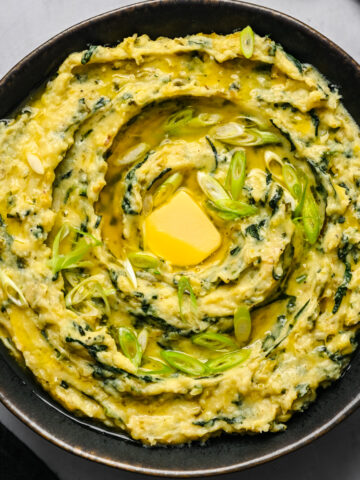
[20,392]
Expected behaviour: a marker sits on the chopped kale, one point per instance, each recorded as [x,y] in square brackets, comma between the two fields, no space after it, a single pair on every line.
[37,231]
[296,62]
[98,220]
[234,86]
[302,389]
[215,152]
[221,418]
[253,231]
[66,175]
[234,251]
[145,306]
[342,289]
[127,96]
[88,54]
[164,172]
[100,103]
[301,310]
[315,120]
[21,262]
[86,134]
[291,303]
[276,276]
[129,181]
[285,106]
[285,134]
[275,199]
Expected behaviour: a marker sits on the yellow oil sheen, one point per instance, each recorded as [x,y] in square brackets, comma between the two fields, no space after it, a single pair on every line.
[180,232]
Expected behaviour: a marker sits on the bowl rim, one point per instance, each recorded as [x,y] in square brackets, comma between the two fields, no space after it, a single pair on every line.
[25,418]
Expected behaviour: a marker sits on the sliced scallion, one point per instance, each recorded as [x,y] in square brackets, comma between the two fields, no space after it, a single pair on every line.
[251,122]
[213,341]
[247,40]
[205,120]
[263,137]
[235,207]
[134,154]
[130,272]
[184,120]
[274,164]
[12,291]
[227,361]
[226,216]
[88,288]
[292,181]
[311,217]
[184,362]
[233,133]
[211,187]
[242,325]
[178,120]
[167,188]
[73,258]
[160,368]
[143,260]
[143,338]
[299,207]
[129,345]
[236,174]
[183,286]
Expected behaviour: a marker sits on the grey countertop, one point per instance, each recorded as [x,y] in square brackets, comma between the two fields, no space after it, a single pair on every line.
[24,24]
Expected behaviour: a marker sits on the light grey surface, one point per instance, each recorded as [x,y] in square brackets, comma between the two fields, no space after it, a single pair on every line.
[24,24]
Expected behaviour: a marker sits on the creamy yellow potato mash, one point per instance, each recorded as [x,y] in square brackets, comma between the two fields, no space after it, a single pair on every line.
[179,235]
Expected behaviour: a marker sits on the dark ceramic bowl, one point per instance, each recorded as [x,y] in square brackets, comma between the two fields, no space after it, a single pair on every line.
[18,390]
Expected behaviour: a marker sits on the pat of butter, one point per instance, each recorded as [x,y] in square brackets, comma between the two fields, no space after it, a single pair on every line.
[180,231]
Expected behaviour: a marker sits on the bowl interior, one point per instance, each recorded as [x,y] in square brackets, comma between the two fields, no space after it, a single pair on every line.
[19,391]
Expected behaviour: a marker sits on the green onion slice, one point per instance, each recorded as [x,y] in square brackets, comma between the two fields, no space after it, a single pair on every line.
[311,217]
[251,122]
[213,341]
[274,164]
[143,338]
[299,207]
[184,362]
[263,137]
[242,325]
[228,360]
[88,288]
[178,120]
[129,345]
[235,178]
[230,133]
[205,120]
[12,291]
[73,258]
[292,181]
[234,207]
[183,285]
[130,272]
[226,216]
[167,188]
[184,120]
[211,187]
[143,260]
[233,133]
[160,368]
[247,40]
[134,154]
